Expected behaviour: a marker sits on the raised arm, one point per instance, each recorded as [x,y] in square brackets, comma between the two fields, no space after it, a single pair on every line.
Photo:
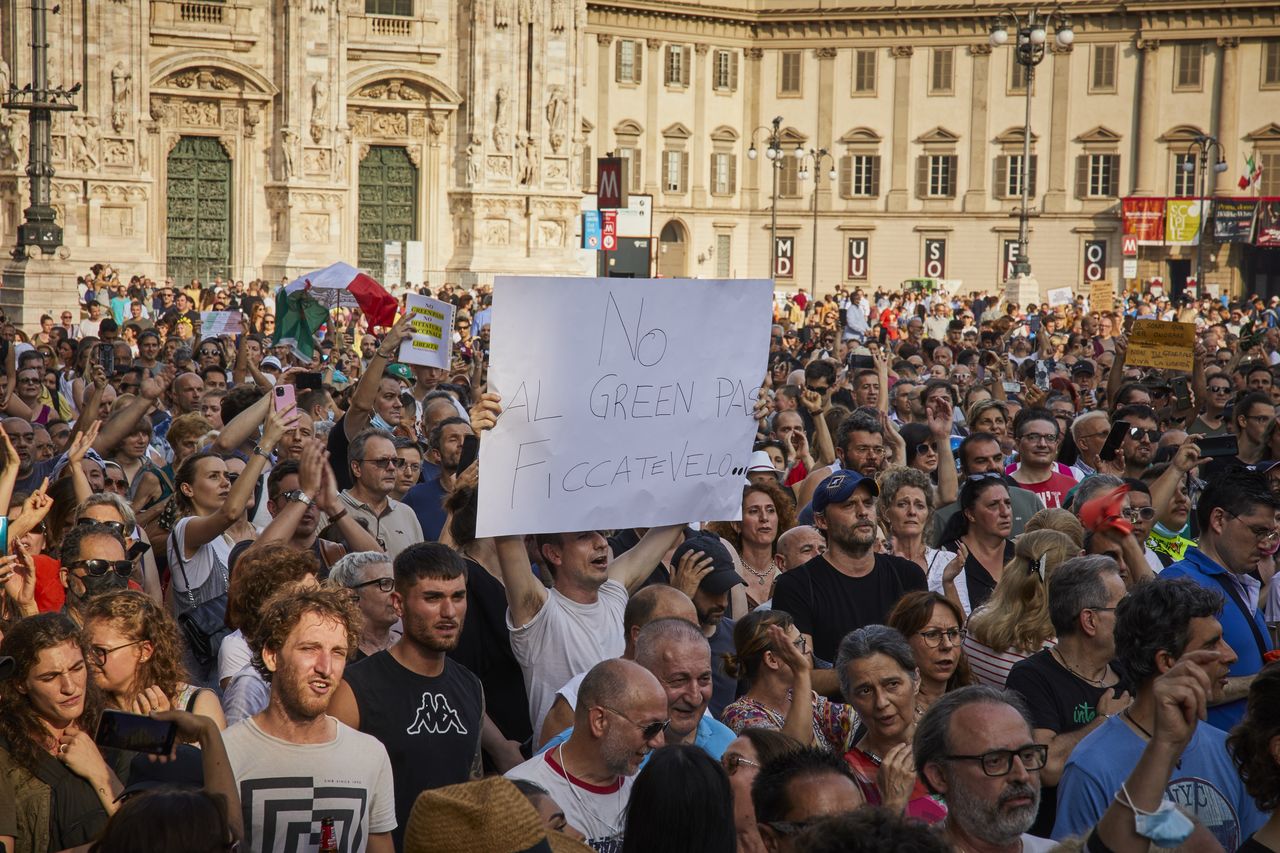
[633,567]
[362,399]
[89,411]
[122,422]
[826,452]
[243,426]
[525,593]
[940,427]
[881,360]
[1116,378]
[9,476]
[799,721]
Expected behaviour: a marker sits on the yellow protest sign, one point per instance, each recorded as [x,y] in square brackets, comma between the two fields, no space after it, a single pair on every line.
[1102,295]
[1165,346]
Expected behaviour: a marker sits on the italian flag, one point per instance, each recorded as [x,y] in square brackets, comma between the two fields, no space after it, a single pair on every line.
[1252,172]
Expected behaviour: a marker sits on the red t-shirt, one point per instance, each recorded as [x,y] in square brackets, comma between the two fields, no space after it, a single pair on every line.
[1051,491]
[50,593]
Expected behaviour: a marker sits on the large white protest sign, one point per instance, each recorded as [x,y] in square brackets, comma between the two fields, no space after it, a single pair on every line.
[626,402]
[432,336]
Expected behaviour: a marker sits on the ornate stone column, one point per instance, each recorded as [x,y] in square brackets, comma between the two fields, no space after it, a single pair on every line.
[975,197]
[700,82]
[1147,166]
[900,169]
[1055,198]
[1228,113]
[751,120]
[652,133]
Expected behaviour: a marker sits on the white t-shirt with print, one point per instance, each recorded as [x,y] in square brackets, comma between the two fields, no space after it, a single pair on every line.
[599,813]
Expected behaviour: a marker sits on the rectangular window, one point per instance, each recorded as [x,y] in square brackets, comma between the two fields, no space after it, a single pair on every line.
[789,177]
[726,71]
[1184,174]
[936,176]
[724,178]
[724,256]
[942,71]
[1188,64]
[677,70]
[632,156]
[628,63]
[1017,75]
[1269,183]
[864,176]
[864,72]
[402,8]
[1103,77]
[789,72]
[1101,177]
[675,168]
[1271,63]
[1010,174]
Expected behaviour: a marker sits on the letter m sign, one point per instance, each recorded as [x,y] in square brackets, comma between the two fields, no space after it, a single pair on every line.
[611,183]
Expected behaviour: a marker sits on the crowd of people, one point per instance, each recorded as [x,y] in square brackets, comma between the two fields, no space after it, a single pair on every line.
[995,586]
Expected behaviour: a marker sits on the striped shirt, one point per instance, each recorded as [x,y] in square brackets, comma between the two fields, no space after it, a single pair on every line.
[992,667]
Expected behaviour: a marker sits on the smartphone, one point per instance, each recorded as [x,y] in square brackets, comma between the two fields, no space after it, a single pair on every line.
[470,450]
[4,535]
[135,732]
[307,381]
[107,358]
[286,397]
[861,362]
[1012,387]
[1219,446]
[1119,430]
[1181,393]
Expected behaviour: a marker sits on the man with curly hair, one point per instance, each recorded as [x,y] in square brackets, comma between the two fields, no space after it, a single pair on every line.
[294,764]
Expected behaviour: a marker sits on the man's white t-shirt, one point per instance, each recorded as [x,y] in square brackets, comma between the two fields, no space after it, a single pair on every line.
[599,813]
[564,639]
[287,789]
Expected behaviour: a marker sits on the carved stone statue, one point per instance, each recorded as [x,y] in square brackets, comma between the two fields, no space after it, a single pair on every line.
[84,140]
[121,85]
[340,147]
[559,15]
[319,109]
[287,139]
[529,162]
[557,115]
[5,78]
[475,158]
[501,139]
[502,11]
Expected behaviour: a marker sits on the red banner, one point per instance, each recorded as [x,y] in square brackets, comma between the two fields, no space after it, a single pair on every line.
[1144,220]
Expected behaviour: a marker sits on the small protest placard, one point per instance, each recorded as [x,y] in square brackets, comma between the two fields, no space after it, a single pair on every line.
[216,323]
[1060,296]
[1165,346]
[432,338]
[1102,295]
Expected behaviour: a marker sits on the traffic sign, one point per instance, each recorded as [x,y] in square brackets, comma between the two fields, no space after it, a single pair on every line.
[1129,246]
[1130,268]
[608,230]
[611,183]
[591,229]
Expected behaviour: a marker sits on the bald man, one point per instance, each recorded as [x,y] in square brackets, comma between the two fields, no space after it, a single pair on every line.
[799,545]
[648,605]
[621,717]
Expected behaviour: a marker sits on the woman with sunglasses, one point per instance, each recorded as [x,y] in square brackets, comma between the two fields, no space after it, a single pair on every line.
[922,451]
[113,511]
[979,534]
[137,658]
[905,507]
[773,658]
[742,760]
[934,628]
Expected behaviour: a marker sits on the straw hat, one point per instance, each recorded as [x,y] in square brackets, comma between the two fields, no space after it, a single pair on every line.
[488,816]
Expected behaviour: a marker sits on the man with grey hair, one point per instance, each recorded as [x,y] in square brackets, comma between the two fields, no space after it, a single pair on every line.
[1072,689]
[1089,430]
[1108,537]
[975,747]
[369,577]
[373,460]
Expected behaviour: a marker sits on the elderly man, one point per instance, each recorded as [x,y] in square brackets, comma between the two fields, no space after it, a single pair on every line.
[368,575]
[621,717]
[1090,432]
[975,747]
[799,545]
[373,463]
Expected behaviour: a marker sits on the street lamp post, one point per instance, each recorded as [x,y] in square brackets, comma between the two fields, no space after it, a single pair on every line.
[1032,33]
[40,228]
[1201,147]
[774,153]
[816,157]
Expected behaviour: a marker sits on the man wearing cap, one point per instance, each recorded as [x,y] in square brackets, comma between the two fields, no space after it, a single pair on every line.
[1085,377]
[849,586]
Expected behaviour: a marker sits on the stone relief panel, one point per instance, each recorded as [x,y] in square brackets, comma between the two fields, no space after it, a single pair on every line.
[497,232]
[117,221]
[315,227]
[551,234]
[316,161]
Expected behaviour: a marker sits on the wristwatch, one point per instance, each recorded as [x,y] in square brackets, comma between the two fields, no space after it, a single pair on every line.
[299,495]
[264,454]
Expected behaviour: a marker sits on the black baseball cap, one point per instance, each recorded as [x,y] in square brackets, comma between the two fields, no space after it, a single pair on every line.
[723,576]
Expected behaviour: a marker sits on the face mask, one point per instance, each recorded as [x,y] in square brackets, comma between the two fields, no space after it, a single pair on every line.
[378,423]
[1166,826]
[1164,532]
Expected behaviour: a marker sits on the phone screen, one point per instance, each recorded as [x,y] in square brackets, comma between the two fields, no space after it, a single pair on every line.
[1114,438]
[308,381]
[1219,446]
[470,450]
[135,732]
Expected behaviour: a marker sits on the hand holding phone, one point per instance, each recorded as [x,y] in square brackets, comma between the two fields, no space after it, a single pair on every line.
[285,397]
[1115,438]
[135,732]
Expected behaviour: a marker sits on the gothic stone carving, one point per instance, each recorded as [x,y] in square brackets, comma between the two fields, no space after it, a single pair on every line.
[391,90]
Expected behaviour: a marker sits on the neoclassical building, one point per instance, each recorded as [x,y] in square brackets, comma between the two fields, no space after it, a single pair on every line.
[247,137]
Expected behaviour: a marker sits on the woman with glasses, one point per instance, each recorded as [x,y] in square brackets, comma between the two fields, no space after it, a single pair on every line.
[905,506]
[1015,623]
[113,511]
[979,535]
[137,658]
[409,474]
[934,628]
[767,513]
[773,658]
[879,678]
[211,354]
[742,760]
[922,451]
[1216,392]
[28,390]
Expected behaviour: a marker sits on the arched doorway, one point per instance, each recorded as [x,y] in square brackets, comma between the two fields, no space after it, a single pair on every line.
[673,252]
[198,213]
[388,203]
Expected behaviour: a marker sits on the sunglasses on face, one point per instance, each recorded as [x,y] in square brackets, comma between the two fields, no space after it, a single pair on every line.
[1142,513]
[117,526]
[98,568]
[1136,433]
[926,447]
[389,462]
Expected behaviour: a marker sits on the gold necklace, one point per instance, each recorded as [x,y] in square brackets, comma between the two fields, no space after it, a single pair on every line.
[1098,682]
[759,576]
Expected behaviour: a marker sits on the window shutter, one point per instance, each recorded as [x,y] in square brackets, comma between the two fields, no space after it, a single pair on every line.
[684,171]
[1032,173]
[1113,185]
[733,169]
[1001,177]
[638,53]
[617,63]
[875,176]
[952,162]
[733,71]
[715,175]
[1082,176]
[636,182]
[922,176]
[685,65]
[846,176]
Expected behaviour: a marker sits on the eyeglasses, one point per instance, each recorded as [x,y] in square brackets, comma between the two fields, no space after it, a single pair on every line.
[98,568]
[988,475]
[1262,534]
[732,762]
[1136,433]
[1037,437]
[933,637]
[1142,513]
[926,447]
[210,352]
[650,731]
[117,484]
[117,526]
[998,762]
[389,462]
[384,584]
[100,654]
[818,389]
[413,468]
[1220,389]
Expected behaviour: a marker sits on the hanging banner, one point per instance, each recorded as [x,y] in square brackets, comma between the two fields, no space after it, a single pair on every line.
[1009,258]
[858,258]
[935,258]
[1144,220]
[1233,221]
[784,257]
[1268,223]
[1095,260]
[1182,221]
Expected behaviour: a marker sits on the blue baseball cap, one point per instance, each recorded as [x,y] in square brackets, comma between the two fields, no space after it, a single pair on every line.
[839,487]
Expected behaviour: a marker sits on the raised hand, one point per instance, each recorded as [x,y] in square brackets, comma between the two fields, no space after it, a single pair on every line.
[1182,698]
[953,569]
[311,467]
[81,443]
[276,424]
[485,412]
[689,572]
[896,778]
[786,651]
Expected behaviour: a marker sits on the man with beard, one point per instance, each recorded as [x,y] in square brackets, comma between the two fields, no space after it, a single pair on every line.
[373,464]
[1157,625]
[849,586]
[444,450]
[711,601]
[860,447]
[94,563]
[425,708]
[294,763]
[1140,442]
[974,747]
[620,718]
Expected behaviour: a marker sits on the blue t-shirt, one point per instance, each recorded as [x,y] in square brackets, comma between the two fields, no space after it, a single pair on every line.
[713,738]
[1235,628]
[1205,783]
[427,502]
[119,308]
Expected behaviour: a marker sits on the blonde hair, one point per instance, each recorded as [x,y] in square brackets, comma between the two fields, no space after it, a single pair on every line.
[1016,618]
[1061,520]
